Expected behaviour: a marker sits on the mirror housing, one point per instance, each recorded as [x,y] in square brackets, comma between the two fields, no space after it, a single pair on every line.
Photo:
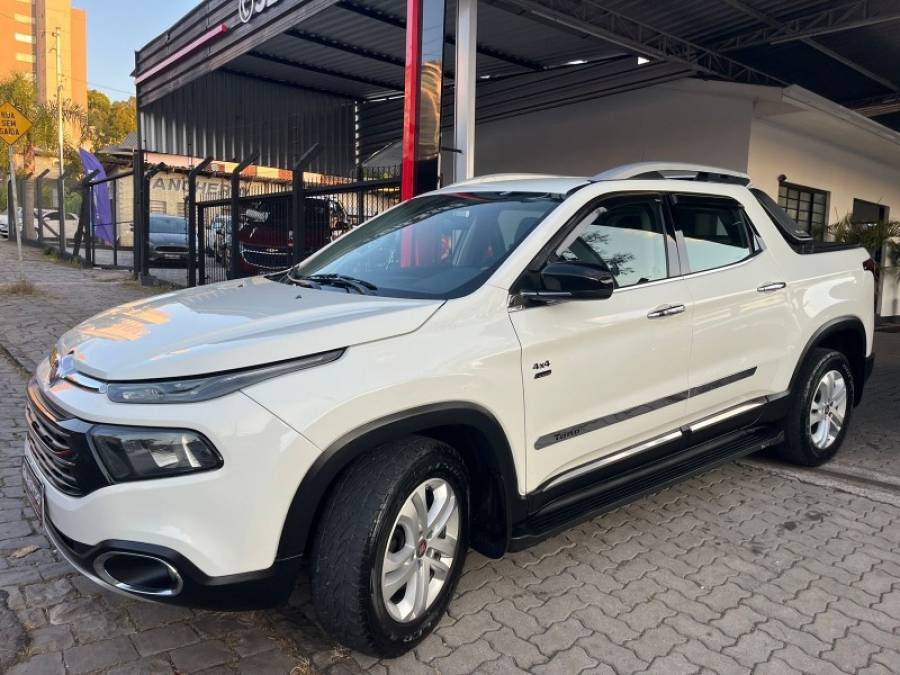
[574,281]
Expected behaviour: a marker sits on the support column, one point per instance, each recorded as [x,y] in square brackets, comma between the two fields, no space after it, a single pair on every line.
[464,89]
[425,25]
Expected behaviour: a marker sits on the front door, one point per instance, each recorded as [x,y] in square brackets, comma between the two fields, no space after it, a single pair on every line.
[603,375]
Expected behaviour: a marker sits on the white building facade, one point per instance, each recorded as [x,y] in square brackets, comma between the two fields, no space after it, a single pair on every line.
[821,161]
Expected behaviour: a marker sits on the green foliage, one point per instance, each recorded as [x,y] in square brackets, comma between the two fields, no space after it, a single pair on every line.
[21,92]
[871,236]
[109,122]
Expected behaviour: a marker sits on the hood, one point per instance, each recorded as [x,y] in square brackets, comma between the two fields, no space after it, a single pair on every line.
[236,324]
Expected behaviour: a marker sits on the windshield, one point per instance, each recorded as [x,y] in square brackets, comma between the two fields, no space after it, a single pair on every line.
[436,246]
[170,225]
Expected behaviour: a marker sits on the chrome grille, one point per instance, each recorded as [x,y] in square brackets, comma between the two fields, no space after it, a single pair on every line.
[50,444]
[272,259]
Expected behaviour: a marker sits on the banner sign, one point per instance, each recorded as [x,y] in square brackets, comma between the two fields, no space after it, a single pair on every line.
[101,210]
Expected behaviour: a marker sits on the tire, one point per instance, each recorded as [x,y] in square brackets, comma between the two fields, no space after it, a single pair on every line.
[365,520]
[805,443]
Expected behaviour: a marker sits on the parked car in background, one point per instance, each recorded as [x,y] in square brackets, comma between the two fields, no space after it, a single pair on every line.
[51,221]
[168,240]
[266,236]
[4,222]
[486,365]
[219,236]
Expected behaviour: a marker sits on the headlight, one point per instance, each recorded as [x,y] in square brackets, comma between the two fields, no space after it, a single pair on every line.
[206,388]
[131,453]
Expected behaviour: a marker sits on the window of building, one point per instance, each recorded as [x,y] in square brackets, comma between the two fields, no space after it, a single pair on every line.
[868,213]
[715,231]
[807,206]
[157,206]
[626,236]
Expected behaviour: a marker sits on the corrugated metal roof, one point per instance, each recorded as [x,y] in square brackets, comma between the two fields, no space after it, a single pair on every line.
[355,48]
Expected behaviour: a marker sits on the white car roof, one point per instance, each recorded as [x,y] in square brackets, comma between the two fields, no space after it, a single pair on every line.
[533,182]
[518,182]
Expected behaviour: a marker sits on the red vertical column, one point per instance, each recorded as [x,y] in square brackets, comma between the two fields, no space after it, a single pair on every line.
[411,99]
[423,88]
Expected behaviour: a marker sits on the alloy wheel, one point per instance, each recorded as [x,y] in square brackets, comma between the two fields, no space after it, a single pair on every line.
[828,409]
[421,550]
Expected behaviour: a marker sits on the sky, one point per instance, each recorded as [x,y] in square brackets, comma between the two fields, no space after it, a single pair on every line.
[118,27]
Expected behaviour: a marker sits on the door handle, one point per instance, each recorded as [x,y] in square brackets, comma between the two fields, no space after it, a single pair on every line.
[665,310]
[771,287]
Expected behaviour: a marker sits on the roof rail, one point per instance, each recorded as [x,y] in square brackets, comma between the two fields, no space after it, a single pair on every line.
[674,171]
[500,177]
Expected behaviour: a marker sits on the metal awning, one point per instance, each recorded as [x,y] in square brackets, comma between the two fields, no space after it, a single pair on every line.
[846,51]
[531,55]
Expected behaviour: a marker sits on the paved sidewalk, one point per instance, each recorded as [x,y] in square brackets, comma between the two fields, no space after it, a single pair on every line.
[752,567]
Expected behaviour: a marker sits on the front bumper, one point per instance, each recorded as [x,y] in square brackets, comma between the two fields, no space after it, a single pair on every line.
[219,529]
[251,590]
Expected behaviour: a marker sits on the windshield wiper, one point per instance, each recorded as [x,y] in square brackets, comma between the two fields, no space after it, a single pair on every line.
[343,281]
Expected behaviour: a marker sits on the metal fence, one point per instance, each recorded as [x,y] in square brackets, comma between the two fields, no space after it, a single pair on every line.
[97,222]
[176,225]
[283,224]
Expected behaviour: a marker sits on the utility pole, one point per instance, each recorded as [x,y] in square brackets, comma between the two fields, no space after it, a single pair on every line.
[16,221]
[61,184]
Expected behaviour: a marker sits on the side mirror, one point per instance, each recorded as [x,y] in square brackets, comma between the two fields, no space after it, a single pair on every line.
[575,281]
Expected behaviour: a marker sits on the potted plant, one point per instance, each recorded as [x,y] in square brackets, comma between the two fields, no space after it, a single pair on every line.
[880,239]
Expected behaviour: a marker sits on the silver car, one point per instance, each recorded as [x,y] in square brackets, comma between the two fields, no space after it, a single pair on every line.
[168,239]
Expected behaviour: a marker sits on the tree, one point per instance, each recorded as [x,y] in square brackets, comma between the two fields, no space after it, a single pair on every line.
[109,122]
[22,93]
[881,240]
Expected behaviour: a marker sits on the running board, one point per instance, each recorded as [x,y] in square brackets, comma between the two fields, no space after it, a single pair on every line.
[587,502]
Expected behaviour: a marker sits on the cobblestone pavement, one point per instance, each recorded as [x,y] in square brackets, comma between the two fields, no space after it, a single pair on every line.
[751,567]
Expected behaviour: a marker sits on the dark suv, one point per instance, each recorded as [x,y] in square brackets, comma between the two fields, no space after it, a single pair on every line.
[266,235]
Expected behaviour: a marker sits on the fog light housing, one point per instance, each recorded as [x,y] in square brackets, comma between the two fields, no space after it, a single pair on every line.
[134,453]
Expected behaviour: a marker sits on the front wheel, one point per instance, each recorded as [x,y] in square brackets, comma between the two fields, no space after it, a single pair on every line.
[820,410]
[390,546]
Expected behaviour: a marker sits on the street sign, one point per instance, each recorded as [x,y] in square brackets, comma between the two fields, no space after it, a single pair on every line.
[13,124]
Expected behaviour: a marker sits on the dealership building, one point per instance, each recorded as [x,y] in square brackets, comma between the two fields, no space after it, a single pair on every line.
[803,95]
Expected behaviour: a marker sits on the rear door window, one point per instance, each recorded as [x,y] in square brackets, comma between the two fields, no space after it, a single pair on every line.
[715,231]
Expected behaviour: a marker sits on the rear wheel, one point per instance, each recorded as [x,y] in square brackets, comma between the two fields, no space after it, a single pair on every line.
[820,410]
[391,545]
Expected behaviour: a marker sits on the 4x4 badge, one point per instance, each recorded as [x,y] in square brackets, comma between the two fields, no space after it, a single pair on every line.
[541,369]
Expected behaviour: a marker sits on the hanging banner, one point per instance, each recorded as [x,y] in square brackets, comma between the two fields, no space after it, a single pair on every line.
[100,209]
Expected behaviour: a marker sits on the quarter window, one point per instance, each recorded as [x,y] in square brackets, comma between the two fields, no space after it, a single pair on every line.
[715,231]
[624,235]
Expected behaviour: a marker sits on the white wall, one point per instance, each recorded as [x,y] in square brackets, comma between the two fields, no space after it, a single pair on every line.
[846,175]
[815,163]
[659,123]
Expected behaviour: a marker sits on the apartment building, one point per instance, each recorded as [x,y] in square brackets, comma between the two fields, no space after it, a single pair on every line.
[28,45]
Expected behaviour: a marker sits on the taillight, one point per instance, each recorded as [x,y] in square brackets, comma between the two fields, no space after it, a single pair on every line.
[870,266]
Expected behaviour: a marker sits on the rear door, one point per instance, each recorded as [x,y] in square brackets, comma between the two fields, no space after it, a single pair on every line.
[603,375]
[741,314]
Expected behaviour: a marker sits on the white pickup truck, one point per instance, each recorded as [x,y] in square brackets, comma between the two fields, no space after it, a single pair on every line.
[481,366]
